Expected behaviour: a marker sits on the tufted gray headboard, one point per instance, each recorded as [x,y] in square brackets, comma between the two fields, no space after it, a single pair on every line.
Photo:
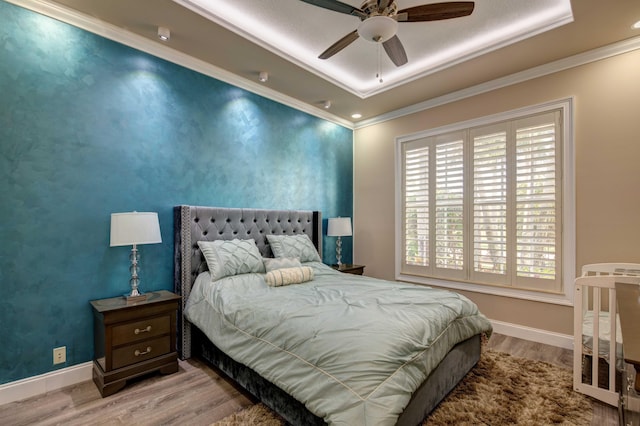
[193,223]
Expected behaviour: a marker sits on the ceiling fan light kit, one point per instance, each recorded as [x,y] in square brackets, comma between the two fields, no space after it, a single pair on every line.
[378,29]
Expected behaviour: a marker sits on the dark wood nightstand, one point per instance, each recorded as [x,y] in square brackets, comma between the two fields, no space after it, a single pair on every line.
[133,339]
[349,269]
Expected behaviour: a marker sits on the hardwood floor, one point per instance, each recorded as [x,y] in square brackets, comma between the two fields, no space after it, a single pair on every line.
[196,395]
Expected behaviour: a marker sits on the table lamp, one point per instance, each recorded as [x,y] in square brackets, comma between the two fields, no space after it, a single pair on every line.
[339,227]
[132,229]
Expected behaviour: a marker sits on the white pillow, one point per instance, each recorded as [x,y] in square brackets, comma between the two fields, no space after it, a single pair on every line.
[273,263]
[231,257]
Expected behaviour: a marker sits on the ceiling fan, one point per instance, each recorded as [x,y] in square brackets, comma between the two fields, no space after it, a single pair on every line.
[380,22]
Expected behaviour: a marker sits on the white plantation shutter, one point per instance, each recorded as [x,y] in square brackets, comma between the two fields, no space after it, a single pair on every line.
[449,205]
[416,202]
[537,199]
[489,215]
[484,204]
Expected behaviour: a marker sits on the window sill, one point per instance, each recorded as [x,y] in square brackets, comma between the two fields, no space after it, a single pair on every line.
[565,299]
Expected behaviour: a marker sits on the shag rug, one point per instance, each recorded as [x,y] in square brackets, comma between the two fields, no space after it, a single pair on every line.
[500,390]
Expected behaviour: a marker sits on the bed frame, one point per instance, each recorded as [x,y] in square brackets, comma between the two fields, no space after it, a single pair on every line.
[194,223]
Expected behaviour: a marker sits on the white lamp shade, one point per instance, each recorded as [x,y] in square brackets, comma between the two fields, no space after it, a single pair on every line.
[134,228]
[339,227]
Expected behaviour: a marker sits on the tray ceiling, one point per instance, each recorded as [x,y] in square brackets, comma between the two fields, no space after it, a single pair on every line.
[299,32]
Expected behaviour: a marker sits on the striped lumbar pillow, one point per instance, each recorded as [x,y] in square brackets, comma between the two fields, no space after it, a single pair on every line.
[286,276]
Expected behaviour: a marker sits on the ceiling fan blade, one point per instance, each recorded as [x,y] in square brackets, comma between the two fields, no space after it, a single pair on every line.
[436,11]
[395,50]
[338,6]
[339,45]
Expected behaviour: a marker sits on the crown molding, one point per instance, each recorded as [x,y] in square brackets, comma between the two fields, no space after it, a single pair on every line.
[584,58]
[127,38]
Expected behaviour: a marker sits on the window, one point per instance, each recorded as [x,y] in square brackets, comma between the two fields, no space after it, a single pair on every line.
[482,202]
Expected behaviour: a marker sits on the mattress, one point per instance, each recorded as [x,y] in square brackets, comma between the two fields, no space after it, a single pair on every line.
[352,349]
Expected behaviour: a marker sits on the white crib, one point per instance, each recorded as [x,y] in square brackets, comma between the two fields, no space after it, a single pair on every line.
[597,339]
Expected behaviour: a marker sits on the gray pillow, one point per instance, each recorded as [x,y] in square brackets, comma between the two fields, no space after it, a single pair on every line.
[231,257]
[299,246]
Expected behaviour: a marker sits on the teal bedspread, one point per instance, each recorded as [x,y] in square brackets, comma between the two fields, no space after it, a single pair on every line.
[351,348]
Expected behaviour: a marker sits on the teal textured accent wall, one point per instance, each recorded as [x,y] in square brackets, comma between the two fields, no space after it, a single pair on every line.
[89,127]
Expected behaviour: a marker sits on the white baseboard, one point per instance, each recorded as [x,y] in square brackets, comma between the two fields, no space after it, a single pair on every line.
[36,385]
[533,334]
[47,382]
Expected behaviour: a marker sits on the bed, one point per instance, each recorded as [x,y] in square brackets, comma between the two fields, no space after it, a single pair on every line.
[287,358]
[598,359]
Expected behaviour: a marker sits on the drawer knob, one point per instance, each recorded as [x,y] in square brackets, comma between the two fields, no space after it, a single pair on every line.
[138,353]
[144,330]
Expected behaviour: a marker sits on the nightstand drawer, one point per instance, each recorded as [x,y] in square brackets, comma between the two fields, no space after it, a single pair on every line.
[140,330]
[140,351]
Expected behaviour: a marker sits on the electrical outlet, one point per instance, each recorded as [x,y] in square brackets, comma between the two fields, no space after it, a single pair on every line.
[60,355]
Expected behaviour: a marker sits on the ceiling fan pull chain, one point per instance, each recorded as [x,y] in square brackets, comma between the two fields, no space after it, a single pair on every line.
[379,73]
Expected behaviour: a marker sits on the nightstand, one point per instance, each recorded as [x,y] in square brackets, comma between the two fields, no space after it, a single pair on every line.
[349,269]
[133,339]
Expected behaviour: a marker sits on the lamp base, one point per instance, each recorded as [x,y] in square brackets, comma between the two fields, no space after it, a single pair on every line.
[135,299]
[136,295]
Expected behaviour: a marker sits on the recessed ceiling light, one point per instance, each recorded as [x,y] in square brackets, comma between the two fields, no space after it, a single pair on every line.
[356,115]
[636,26]
[164,34]
[264,76]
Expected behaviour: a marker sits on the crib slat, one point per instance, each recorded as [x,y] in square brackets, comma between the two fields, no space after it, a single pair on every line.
[595,365]
[579,309]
